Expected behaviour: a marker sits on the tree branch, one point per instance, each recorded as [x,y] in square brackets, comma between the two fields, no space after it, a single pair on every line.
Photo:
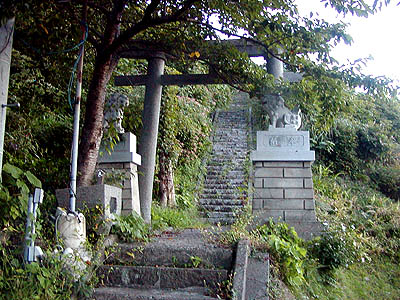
[150,9]
[266,47]
[147,23]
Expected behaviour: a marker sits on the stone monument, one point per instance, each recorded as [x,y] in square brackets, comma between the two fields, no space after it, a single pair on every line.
[283,187]
[123,157]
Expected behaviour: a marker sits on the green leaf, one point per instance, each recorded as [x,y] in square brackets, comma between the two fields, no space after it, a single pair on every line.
[14,171]
[33,179]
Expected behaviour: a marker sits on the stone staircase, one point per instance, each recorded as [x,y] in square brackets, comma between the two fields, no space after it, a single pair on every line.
[173,266]
[225,185]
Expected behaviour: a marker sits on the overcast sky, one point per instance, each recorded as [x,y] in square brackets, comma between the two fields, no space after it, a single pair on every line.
[377,35]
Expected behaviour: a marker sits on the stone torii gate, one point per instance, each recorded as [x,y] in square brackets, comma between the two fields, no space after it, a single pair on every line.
[154,81]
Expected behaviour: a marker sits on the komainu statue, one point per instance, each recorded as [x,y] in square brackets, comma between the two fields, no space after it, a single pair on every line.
[279,115]
[114,112]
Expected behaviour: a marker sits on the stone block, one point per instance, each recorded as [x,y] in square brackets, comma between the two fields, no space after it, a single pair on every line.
[257,204]
[283,182]
[268,194]
[262,216]
[283,139]
[300,215]
[282,156]
[309,204]
[258,164]
[299,193]
[283,204]
[109,197]
[126,193]
[111,165]
[120,157]
[297,172]
[280,164]
[268,172]
[308,183]
[307,164]
[258,182]
[126,204]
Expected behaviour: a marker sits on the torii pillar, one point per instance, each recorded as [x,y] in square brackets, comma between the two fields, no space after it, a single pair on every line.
[148,140]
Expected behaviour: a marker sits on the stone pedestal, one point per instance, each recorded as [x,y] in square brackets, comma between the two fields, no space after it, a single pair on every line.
[283,186]
[124,159]
[107,196]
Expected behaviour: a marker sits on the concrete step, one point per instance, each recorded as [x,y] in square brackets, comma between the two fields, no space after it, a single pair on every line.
[227,182]
[232,185]
[222,196]
[107,293]
[223,208]
[238,177]
[220,220]
[222,214]
[226,168]
[220,191]
[160,277]
[205,201]
[173,249]
[225,173]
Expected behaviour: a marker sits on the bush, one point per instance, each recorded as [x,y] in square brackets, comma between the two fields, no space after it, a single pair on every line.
[130,228]
[287,248]
[387,178]
[333,250]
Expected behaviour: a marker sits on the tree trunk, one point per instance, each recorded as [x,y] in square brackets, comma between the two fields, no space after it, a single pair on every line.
[166,178]
[92,131]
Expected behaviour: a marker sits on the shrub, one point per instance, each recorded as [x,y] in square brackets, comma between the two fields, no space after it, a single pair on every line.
[130,228]
[287,248]
[333,250]
[387,178]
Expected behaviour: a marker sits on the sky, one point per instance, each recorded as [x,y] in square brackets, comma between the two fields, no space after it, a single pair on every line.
[377,36]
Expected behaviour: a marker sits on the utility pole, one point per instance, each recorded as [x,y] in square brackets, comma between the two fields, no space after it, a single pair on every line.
[6,38]
[77,111]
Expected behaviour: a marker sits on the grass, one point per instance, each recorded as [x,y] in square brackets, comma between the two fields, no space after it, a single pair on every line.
[177,218]
[377,279]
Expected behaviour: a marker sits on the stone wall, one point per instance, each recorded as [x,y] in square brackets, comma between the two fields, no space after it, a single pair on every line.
[283,189]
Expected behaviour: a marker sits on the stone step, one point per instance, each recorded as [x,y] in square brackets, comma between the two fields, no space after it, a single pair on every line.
[106,293]
[168,250]
[222,196]
[223,167]
[222,208]
[211,182]
[221,214]
[217,186]
[160,277]
[232,151]
[222,221]
[224,173]
[221,191]
[227,178]
[224,163]
[206,201]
